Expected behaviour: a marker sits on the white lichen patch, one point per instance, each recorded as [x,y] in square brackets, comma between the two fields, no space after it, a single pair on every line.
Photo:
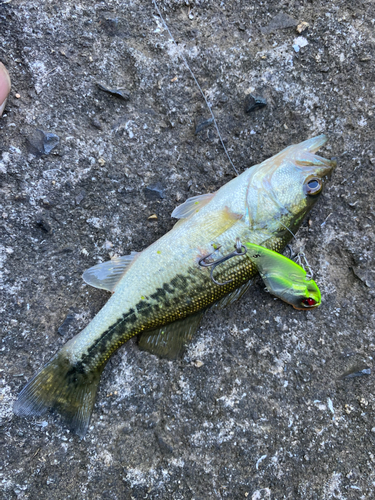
[6,402]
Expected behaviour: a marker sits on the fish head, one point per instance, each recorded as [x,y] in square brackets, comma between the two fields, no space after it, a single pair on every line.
[287,185]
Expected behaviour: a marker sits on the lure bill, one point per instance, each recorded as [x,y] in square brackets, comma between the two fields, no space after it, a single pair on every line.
[162,292]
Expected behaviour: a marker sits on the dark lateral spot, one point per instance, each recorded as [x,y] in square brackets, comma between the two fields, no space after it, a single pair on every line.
[43,224]
[180,282]
[64,328]
[253,102]
[123,94]
[160,294]
[142,305]
[168,288]
[202,125]
[154,191]
[41,143]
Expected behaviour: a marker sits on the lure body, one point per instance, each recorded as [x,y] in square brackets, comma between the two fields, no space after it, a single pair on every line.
[162,291]
[284,278]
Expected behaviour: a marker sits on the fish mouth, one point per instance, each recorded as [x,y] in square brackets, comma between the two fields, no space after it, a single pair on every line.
[307,159]
[322,167]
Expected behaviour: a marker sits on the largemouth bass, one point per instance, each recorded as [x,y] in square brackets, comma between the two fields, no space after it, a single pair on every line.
[162,292]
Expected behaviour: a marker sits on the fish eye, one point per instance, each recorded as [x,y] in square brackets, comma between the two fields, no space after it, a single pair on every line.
[309,302]
[313,186]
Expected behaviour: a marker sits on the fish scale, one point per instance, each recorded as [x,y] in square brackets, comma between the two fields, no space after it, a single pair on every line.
[162,291]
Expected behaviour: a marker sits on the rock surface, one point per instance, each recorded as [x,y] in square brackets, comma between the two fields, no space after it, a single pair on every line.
[257,408]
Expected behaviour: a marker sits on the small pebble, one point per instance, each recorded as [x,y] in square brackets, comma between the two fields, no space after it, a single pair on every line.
[201,126]
[302,27]
[254,102]
[116,92]
[42,143]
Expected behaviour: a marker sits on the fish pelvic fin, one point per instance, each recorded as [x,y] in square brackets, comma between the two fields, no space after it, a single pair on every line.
[63,387]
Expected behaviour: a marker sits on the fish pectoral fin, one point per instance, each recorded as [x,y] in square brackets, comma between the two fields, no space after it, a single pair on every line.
[217,222]
[108,274]
[170,340]
[192,205]
[233,296]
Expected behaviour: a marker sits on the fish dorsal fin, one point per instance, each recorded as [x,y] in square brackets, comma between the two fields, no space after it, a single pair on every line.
[169,341]
[192,206]
[233,296]
[108,274]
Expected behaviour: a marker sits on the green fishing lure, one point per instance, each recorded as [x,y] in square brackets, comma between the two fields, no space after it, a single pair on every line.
[284,278]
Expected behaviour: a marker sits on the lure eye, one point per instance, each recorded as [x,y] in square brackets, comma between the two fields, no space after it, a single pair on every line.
[308,302]
[313,186]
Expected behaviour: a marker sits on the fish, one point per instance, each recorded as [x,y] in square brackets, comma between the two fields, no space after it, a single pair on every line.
[162,292]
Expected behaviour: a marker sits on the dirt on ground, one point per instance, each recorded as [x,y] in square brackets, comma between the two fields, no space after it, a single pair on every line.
[99,134]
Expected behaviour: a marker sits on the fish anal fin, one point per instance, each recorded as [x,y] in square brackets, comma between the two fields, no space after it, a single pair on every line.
[192,206]
[169,341]
[107,274]
[233,296]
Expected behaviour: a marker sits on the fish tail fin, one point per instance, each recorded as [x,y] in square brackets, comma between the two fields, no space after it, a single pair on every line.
[68,389]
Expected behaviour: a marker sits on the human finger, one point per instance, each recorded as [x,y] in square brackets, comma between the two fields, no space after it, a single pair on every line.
[4,86]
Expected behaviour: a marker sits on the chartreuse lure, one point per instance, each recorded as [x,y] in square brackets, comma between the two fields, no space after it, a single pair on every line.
[284,278]
[162,292]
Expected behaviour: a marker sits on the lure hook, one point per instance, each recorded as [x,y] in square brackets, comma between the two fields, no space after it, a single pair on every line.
[239,250]
[301,260]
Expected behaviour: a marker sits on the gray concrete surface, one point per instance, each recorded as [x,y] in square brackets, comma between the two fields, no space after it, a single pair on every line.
[257,408]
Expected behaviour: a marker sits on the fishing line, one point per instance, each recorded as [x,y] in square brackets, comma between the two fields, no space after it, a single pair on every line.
[300,256]
[196,81]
